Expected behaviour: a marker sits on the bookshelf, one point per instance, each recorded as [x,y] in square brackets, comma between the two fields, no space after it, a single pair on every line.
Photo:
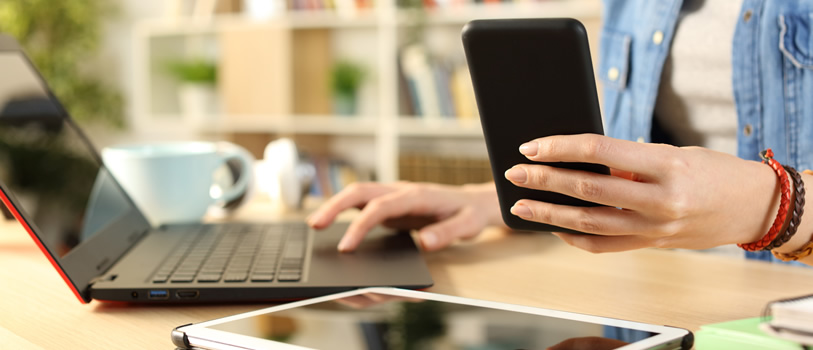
[276,64]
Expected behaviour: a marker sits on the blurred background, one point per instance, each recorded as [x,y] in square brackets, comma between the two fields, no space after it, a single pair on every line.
[368,89]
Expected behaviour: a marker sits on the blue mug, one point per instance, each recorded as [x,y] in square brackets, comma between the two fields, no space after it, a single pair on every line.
[176,182]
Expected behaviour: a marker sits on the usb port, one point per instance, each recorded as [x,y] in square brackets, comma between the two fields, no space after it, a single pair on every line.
[187,294]
[158,294]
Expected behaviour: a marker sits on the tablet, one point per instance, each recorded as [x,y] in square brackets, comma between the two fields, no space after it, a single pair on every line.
[532,77]
[388,318]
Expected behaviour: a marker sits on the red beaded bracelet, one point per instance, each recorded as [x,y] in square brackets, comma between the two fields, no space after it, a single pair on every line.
[784,204]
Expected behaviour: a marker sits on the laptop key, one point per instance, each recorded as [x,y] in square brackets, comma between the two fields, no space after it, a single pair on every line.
[289,277]
[160,278]
[262,277]
[235,277]
[182,278]
[213,277]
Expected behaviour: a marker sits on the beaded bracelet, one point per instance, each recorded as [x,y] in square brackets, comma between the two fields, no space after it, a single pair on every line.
[803,252]
[798,210]
[784,204]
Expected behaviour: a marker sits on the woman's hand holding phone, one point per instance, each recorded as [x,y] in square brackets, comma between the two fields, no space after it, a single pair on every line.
[656,196]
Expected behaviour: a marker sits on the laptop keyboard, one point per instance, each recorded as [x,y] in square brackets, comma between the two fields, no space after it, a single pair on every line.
[235,253]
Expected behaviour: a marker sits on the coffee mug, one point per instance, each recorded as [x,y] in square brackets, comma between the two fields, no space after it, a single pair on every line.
[178,182]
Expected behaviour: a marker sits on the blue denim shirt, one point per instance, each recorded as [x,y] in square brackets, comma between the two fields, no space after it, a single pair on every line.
[772,74]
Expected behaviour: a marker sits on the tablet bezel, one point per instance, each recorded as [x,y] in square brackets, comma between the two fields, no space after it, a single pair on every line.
[198,335]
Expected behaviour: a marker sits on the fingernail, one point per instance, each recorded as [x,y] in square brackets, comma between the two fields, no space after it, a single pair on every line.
[516,174]
[429,240]
[343,246]
[522,211]
[314,220]
[529,148]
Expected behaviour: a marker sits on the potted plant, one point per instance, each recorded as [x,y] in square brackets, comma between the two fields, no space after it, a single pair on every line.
[196,94]
[346,77]
[59,37]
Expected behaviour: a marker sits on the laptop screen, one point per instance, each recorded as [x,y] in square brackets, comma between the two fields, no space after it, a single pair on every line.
[54,176]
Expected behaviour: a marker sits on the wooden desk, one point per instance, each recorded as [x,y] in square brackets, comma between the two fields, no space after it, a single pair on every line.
[679,288]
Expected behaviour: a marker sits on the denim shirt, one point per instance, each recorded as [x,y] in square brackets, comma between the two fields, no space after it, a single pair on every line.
[772,74]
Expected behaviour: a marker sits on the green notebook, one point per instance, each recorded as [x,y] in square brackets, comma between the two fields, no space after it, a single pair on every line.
[740,335]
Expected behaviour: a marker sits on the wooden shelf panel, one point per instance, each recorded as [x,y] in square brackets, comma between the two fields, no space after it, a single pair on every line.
[299,124]
[459,15]
[330,19]
[434,127]
[319,124]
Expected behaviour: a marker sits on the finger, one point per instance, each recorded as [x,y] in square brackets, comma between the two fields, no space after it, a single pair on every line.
[645,159]
[608,221]
[463,224]
[625,175]
[379,209]
[585,185]
[604,244]
[353,196]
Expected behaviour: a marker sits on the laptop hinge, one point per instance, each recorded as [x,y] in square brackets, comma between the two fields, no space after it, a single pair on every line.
[101,278]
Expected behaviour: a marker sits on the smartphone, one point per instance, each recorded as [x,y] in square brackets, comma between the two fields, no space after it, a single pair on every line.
[532,78]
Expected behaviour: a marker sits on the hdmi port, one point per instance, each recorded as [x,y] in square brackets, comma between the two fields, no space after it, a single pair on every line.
[187,294]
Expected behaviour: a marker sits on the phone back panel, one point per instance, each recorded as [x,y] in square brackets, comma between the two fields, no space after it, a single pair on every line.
[532,78]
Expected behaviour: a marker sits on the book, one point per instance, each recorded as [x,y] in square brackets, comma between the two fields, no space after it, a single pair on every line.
[421,80]
[462,93]
[791,318]
[742,334]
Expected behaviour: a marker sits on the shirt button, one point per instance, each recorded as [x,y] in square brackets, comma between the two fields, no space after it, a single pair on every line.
[657,38]
[748,130]
[747,15]
[612,74]
[641,139]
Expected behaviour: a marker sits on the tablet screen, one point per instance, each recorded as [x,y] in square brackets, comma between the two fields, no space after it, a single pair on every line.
[383,321]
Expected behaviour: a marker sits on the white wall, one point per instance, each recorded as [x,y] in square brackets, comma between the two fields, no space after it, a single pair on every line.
[114,63]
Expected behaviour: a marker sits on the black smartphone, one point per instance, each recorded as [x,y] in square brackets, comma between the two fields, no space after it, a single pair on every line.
[532,78]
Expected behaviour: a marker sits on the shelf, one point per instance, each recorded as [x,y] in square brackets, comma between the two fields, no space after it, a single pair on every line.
[434,127]
[459,15]
[312,19]
[374,37]
[300,124]
[320,124]
[329,19]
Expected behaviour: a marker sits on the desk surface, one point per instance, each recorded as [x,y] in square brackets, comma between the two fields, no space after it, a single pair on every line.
[678,288]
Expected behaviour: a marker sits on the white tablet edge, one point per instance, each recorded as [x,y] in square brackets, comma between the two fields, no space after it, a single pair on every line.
[199,335]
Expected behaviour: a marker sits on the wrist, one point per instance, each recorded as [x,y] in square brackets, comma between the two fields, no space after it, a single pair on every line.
[760,215]
[485,197]
[805,230]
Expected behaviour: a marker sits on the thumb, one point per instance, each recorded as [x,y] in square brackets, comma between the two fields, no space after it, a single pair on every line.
[463,224]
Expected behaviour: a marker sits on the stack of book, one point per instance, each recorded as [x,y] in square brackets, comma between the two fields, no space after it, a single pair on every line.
[341,7]
[791,319]
[450,170]
[446,4]
[432,87]
[333,174]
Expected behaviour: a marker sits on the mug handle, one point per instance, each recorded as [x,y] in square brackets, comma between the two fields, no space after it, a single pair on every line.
[229,151]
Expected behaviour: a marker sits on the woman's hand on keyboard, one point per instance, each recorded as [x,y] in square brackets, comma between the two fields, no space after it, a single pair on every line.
[441,213]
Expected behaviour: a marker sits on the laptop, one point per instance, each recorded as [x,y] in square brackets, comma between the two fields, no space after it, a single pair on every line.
[53,182]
